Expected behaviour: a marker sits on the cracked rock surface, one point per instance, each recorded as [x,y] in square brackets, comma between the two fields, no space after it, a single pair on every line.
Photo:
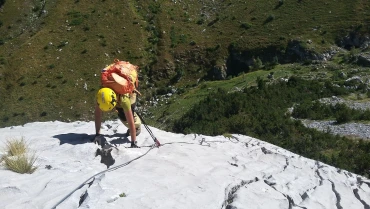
[187,171]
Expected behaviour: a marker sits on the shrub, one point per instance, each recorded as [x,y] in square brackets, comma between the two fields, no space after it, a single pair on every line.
[17,158]
[343,113]
[36,8]
[75,22]
[270,18]
[76,18]
[275,60]
[313,110]
[228,135]
[103,43]
[163,90]
[200,21]
[60,76]
[245,25]
[155,8]
[173,37]
[180,72]
[257,63]
[16,147]
[352,56]
[62,44]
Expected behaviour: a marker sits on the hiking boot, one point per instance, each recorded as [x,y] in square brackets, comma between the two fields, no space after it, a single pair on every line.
[138,131]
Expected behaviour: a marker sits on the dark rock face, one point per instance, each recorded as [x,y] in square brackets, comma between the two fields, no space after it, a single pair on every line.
[220,72]
[356,40]
[240,60]
[364,59]
[295,52]
[243,60]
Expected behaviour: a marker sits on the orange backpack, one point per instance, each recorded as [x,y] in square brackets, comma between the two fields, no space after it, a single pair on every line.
[121,76]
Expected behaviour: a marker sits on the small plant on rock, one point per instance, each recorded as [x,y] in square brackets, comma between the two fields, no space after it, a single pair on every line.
[17,158]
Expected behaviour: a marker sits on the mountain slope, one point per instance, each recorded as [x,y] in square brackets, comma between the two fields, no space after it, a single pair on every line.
[188,171]
[51,52]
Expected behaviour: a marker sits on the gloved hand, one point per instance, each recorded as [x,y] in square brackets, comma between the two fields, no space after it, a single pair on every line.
[96,137]
[93,139]
[100,140]
[134,144]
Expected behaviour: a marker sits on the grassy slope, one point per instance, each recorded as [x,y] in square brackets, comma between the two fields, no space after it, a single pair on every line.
[169,109]
[48,71]
[47,58]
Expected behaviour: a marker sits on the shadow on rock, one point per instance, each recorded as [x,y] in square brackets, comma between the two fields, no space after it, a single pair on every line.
[106,156]
[73,138]
[122,139]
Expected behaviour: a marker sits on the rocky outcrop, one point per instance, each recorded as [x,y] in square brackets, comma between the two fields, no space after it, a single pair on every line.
[364,59]
[356,40]
[220,72]
[296,52]
[240,60]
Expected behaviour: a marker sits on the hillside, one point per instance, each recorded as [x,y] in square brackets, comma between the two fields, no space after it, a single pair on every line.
[51,52]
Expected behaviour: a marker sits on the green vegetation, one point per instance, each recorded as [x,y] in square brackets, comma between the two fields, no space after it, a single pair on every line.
[42,39]
[319,111]
[261,112]
[17,157]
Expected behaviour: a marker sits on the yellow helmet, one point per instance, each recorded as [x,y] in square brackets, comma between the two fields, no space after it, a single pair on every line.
[106,98]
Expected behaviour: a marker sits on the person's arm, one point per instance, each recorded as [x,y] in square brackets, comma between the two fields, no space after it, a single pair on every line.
[98,118]
[131,124]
